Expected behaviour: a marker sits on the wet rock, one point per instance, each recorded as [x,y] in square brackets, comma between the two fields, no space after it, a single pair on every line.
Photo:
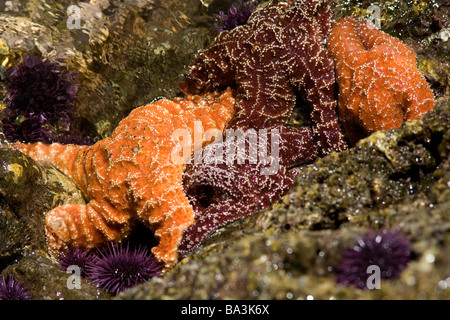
[400,18]
[46,281]
[15,237]
[27,191]
[381,170]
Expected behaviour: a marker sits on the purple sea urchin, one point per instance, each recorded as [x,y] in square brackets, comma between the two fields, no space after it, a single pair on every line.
[38,86]
[386,249]
[119,268]
[30,128]
[237,15]
[78,257]
[39,100]
[11,289]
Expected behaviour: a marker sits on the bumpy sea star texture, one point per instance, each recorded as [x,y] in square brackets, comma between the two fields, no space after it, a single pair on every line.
[223,189]
[380,86]
[131,176]
[278,54]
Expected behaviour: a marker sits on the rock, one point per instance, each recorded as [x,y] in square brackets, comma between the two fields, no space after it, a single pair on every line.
[125,53]
[27,191]
[15,237]
[46,281]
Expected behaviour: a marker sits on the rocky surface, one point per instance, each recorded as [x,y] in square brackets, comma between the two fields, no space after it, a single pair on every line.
[135,51]
[27,191]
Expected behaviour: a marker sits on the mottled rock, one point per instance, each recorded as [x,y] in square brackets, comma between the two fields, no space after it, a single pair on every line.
[46,281]
[15,237]
[27,191]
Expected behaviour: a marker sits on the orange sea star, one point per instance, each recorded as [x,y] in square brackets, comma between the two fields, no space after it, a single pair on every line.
[380,86]
[131,176]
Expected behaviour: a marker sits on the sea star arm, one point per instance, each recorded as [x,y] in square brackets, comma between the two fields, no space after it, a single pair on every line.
[162,206]
[169,217]
[380,86]
[297,146]
[65,157]
[234,205]
[345,32]
[318,85]
[211,69]
[372,37]
[311,74]
[417,101]
[222,192]
[84,226]
[262,102]
[217,216]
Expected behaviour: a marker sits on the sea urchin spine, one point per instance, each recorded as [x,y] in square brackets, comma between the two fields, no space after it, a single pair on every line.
[75,256]
[39,100]
[118,268]
[237,15]
[387,250]
[11,289]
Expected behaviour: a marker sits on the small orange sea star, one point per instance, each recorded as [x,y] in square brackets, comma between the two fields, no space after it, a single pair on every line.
[380,86]
[131,176]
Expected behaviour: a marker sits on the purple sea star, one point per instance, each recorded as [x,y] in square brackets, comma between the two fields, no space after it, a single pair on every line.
[224,187]
[278,54]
